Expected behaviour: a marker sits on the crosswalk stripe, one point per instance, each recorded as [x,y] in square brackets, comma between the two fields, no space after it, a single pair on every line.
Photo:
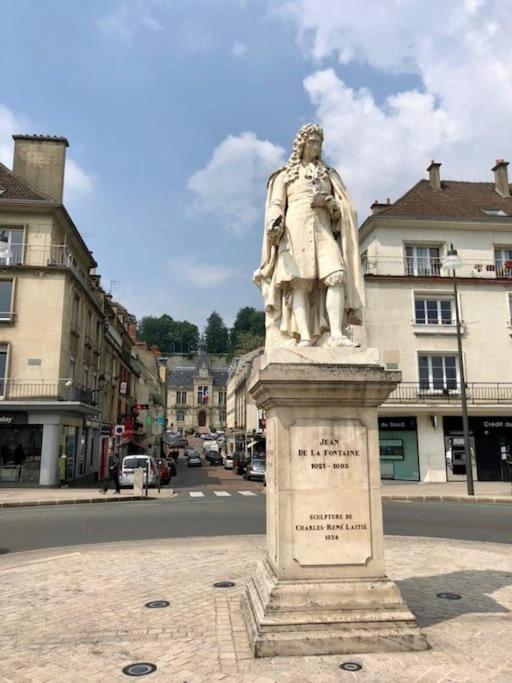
[196,494]
[247,493]
[222,493]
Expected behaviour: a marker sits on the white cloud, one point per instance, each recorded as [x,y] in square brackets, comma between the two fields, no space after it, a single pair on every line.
[239,49]
[200,274]
[128,18]
[77,183]
[461,52]
[232,184]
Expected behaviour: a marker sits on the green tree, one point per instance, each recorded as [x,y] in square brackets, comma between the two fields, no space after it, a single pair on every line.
[217,335]
[248,330]
[171,336]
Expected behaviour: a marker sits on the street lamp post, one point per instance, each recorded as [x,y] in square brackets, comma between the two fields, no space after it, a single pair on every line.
[452,262]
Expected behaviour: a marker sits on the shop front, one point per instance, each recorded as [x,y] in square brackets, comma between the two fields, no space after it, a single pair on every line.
[490,439]
[20,450]
[398,440]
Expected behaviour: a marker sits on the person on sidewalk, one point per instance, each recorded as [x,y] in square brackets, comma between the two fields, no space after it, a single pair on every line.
[114,465]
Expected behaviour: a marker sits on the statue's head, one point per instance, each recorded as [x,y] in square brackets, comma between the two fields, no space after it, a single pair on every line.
[309,140]
[307,145]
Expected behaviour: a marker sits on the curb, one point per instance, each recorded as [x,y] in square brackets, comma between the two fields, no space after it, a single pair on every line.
[498,500]
[71,501]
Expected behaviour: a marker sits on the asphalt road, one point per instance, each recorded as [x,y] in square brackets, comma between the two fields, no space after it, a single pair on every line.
[36,528]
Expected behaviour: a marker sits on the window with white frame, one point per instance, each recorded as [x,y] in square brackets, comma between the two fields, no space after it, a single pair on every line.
[12,239]
[503,261]
[181,397]
[433,310]
[6,289]
[222,398]
[438,372]
[422,260]
[4,349]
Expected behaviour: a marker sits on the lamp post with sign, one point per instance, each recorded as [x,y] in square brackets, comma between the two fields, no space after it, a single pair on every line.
[451,262]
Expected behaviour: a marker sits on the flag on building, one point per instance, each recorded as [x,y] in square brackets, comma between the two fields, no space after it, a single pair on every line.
[205,395]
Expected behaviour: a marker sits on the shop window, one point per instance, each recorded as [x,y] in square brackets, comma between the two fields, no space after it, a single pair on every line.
[20,453]
[438,373]
[422,260]
[6,308]
[430,311]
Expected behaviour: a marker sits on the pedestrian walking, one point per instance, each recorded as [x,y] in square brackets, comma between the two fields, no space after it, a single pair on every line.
[114,465]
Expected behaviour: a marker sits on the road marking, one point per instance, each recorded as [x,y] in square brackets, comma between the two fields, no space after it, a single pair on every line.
[222,493]
[196,494]
[247,493]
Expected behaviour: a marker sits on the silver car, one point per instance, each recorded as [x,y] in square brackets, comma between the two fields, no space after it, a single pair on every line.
[228,461]
[133,462]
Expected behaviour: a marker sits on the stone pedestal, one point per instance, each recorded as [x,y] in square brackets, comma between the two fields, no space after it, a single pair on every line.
[322,588]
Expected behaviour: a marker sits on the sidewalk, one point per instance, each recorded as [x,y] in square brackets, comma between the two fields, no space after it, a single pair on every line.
[485,492]
[78,614]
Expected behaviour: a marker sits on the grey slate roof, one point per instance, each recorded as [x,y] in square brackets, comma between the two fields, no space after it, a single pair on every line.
[184,377]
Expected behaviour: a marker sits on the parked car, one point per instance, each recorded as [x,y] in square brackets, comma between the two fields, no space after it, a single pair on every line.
[214,457]
[165,472]
[132,462]
[179,443]
[228,461]
[193,460]
[256,469]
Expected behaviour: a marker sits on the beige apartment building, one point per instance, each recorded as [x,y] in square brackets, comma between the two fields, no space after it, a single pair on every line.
[196,391]
[245,422]
[50,325]
[410,316]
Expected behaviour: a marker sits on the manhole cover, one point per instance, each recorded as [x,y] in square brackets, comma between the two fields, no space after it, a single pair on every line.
[139,669]
[157,604]
[351,666]
[224,584]
[449,596]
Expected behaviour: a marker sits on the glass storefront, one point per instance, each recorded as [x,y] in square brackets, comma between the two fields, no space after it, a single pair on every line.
[68,452]
[398,443]
[20,451]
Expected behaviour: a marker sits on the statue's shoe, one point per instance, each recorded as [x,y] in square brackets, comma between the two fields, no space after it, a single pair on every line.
[291,343]
[305,342]
[337,342]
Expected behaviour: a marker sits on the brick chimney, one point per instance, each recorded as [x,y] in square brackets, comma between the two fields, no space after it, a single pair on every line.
[434,175]
[41,160]
[155,350]
[377,206]
[132,331]
[501,178]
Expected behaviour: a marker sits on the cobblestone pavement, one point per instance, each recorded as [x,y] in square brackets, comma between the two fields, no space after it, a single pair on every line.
[77,614]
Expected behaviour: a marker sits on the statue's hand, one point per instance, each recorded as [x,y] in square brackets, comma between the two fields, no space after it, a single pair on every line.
[333,208]
[275,230]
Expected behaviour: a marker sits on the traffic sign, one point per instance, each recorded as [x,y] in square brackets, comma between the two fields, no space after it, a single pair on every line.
[160,420]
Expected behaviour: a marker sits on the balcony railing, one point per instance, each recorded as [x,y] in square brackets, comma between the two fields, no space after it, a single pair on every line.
[46,255]
[44,389]
[477,393]
[431,267]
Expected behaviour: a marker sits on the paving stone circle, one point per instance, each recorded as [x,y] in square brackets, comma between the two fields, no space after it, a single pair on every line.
[139,669]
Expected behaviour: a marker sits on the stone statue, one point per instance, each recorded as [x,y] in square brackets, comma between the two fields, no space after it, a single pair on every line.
[310,269]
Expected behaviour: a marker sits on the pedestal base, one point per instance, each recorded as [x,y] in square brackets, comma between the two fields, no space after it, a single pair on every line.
[338,616]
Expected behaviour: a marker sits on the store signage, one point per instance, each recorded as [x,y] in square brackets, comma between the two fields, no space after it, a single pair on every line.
[123,387]
[497,424]
[7,419]
[141,406]
[397,423]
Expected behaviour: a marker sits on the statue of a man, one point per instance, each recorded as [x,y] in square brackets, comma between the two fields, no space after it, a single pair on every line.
[310,269]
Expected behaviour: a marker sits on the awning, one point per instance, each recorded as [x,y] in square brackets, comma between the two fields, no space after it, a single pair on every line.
[252,443]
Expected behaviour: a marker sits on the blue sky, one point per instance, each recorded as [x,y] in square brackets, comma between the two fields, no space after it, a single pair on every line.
[176,111]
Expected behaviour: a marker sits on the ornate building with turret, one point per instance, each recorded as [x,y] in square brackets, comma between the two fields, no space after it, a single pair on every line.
[196,391]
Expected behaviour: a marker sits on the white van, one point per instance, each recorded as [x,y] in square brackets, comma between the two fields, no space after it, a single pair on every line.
[132,462]
[210,445]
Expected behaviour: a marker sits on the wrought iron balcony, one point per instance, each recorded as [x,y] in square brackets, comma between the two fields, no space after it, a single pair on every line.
[431,267]
[44,390]
[477,393]
[47,255]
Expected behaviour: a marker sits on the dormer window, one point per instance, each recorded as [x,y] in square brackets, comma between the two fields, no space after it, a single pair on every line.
[495,212]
